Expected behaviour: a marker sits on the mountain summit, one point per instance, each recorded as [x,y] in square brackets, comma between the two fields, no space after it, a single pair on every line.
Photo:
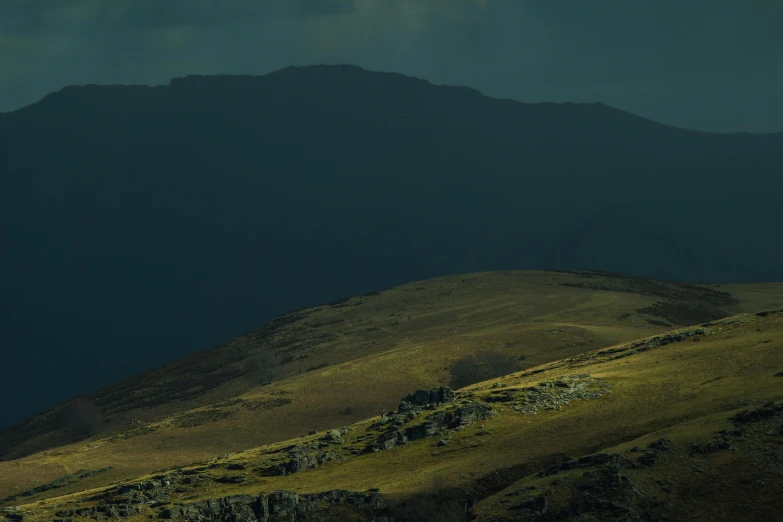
[154,221]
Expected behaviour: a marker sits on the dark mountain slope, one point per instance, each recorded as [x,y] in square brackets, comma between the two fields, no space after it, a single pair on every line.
[145,223]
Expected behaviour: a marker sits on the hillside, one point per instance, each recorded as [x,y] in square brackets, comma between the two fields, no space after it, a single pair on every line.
[685,425]
[346,360]
[147,223]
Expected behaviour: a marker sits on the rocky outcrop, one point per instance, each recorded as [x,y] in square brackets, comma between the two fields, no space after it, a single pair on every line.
[643,345]
[601,492]
[768,410]
[719,443]
[278,506]
[152,498]
[307,456]
[12,514]
[453,418]
[427,399]
[126,500]
[589,461]
[550,395]
[654,449]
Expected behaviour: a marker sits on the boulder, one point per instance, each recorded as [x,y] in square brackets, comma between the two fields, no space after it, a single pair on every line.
[661,444]
[332,437]
[427,398]
[296,464]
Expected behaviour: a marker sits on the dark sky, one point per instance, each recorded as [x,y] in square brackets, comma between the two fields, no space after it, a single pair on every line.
[705,64]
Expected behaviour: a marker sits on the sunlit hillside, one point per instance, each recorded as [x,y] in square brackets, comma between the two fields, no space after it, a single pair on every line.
[344,363]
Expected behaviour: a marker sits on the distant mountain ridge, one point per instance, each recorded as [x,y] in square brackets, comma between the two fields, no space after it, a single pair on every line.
[155,221]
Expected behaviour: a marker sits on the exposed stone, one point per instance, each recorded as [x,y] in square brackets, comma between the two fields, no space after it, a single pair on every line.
[721,442]
[766,411]
[606,494]
[470,413]
[12,514]
[661,444]
[387,440]
[296,464]
[550,395]
[278,506]
[427,399]
[649,458]
[332,437]
[282,503]
[425,429]
[435,423]
[325,457]
[638,346]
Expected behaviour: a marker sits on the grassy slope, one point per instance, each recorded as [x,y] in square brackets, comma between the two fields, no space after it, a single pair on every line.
[685,391]
[372,362]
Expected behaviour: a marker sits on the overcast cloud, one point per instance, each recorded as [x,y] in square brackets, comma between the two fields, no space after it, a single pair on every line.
[713,65]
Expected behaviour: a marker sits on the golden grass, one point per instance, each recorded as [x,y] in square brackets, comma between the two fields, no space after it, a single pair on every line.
[684,390]
[440,320]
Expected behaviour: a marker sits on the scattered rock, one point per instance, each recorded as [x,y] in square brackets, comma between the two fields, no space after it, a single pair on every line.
[721,442]
[427,399]
[661,444]
[649,458]
[550,395]
[325,457]
[766,411]
[640,346]
[278,506]
[613,460]
[295,465]
[332,437]
[411,407]
[12,514]
[606,494]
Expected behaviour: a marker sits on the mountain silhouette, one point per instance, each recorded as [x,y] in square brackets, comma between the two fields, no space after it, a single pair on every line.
[141,224]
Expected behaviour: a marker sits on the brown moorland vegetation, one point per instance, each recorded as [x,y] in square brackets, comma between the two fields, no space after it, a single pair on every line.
[362,361]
